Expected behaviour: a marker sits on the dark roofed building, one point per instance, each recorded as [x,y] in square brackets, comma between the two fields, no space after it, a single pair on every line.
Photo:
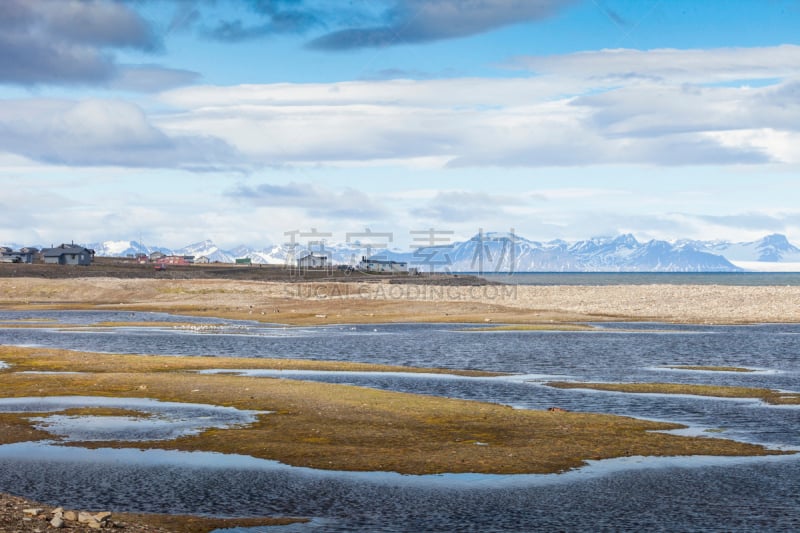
[68,254]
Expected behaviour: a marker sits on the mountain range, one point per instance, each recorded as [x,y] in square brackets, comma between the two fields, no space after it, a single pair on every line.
[503,253]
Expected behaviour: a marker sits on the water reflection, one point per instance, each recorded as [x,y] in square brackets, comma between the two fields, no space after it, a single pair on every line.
[158,420]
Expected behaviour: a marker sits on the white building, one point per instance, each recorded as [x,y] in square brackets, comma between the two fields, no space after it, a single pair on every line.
[312,260]
[378,265]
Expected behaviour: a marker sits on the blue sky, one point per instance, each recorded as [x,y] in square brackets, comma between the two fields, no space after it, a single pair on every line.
[240,121]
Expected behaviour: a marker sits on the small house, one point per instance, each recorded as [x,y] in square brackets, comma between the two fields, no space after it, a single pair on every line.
[9,256]
[28,254]
[202,260]
[68,254]
[312,260]
[24,255]
[379,265]
[157,256]
[175,259]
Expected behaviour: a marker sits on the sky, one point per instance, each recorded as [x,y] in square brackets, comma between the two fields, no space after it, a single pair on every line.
[257,121]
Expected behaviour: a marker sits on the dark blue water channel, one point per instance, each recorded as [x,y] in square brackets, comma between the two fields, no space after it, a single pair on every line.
[630,494]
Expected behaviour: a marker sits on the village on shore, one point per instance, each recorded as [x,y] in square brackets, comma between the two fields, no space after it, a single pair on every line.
[72,254]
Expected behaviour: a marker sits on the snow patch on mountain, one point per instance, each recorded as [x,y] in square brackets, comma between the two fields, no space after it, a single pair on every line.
[773,248]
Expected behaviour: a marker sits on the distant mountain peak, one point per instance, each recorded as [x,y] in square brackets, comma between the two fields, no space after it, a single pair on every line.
[773,247]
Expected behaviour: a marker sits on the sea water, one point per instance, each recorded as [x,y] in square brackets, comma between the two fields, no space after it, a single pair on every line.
[680,494]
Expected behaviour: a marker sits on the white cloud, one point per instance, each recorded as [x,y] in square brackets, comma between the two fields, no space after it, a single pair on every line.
[672,66]
[662,107]
[101,132]
[151,78]
[312,199]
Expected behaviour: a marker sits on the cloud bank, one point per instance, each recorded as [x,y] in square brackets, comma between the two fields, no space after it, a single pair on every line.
[103,133]
[73,42]
[67,41]
[643,110]
[612,107]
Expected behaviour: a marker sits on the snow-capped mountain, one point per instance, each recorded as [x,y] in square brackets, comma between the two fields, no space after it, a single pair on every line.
[207,249]
[772,248]
[120,248]
[497,252]
[504,252]
[771,253]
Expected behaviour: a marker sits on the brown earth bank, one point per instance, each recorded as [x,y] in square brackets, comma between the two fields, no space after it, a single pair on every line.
[108,267]
[382,301]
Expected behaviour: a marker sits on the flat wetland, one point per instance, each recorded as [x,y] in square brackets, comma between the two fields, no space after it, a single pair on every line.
[331,426]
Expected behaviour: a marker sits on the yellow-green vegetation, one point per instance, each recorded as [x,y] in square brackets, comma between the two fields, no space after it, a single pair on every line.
[55,360]
[330,426]
[703,368]
[15,427]
[201,524]
[533,327]
[49,325]
[716,391]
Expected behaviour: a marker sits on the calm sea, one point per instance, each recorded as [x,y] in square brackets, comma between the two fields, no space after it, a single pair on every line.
[647,278]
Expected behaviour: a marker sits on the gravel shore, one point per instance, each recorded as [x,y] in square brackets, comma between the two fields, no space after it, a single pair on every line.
[343,302]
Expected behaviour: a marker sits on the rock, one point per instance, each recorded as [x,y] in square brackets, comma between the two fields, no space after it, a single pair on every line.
[32,511]
[100,517]
[71,516]
[57,522]
[85,518]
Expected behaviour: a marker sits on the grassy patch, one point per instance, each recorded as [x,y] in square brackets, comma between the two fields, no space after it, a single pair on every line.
[15,427]
[201,524]
[330,426]
[55,360]
[715,391]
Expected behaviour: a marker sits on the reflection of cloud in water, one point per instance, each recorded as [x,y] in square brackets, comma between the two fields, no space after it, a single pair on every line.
[3,365]
[159,420]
